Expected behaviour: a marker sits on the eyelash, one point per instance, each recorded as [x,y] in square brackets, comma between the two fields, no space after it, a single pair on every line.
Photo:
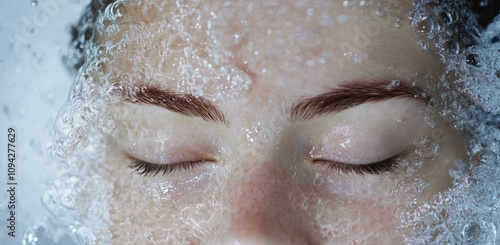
[390,165]
[152,169]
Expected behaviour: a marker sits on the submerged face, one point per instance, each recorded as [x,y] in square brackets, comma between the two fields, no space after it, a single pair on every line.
[287,122]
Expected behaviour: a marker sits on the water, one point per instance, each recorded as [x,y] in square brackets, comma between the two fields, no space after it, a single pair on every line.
[34,83]
[75,200]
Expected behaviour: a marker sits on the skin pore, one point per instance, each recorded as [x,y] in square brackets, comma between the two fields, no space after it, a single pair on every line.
[211,146]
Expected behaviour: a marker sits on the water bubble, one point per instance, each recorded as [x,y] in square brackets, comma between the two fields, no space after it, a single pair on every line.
[447,17]
[382,9]
[393,85]
[427,148]
[318,180]
[471,232]
[472,59]
[347,3]
[114,11]
[397,22]
[423,45]
[450,47]
[115,94]
[77,101]
[310,11]
[88,114]
[424,27]
[68,119]
[357,57]
[107,125]
[34,3]
[408,191]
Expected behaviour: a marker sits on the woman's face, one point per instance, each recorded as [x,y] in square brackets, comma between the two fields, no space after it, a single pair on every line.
[270,122]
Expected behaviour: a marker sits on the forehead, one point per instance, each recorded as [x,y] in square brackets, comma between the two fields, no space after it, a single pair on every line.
[221,49]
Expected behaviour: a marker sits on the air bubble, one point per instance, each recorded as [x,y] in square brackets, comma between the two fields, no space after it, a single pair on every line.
[34,3]
[382,9]
[472,59]
[77,102]
[397,22]
[108,125]
[310,11]
[480,231]
[408,191]
[115,94]
[348,3]
[450,47]
[393,85]
[114,11]
[319,180]
[425,27]
[446,18]
[423,45]
[68,119]
[427,149]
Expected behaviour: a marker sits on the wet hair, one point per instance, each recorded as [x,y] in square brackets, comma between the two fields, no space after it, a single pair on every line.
[83,33]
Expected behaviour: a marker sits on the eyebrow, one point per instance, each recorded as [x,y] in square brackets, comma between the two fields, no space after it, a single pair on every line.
[351,94]
[345,96]
[182,103]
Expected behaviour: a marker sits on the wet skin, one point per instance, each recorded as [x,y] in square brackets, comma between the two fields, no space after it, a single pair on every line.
[262,174]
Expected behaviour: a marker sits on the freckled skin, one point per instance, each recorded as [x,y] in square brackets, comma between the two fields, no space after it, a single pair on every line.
[254,63]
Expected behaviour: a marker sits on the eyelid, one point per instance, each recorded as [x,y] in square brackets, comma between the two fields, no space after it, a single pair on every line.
[389,165]
[146,169]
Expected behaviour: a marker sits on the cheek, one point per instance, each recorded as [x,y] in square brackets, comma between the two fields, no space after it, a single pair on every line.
[148,212]
[343,211]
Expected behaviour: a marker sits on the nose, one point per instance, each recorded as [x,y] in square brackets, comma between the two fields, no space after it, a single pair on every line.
[259,210]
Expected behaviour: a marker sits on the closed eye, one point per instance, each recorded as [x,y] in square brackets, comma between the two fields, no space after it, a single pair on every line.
[147,169]
[390,165]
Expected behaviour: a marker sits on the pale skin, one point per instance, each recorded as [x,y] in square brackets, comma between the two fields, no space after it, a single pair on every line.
[260,177]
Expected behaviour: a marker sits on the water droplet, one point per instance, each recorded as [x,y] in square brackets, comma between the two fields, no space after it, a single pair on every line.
[34,3]
[107,125]
[424,27]
[472,59]
[427,148]
[318,180]
[450,47]
[472,232]
[423,45]
[115,94]
[310,11]
[410,189]
[393,85]
[397,22]
[382,9]
[68,119]
[347,3]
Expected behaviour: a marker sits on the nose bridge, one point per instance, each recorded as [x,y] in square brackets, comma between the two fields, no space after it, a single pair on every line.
[257,210]
[254,193]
